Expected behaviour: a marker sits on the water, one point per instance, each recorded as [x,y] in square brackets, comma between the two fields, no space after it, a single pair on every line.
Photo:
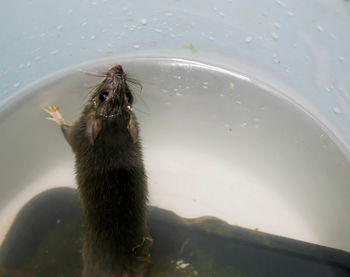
[216,143]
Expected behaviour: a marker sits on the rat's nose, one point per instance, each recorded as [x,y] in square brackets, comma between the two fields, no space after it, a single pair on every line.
[116,70]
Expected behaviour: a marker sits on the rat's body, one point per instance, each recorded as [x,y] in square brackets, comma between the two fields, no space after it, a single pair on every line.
[111,180]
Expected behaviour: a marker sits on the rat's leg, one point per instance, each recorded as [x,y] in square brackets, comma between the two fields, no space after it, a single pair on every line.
[56,116]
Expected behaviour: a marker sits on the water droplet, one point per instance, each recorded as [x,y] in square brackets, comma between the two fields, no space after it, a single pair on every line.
[222,95]
[274,36]
[136,46]
[278,25]
[257,119]
[336,110]
[205,87]
[16,85]
[54,52]
[28,64]
[205,83]
[21,65]
[93,3]
[211,38]
[58,221]
[256,126]
[238,102]
[143,21]
[341,59]
[222,14]
[282,4]
[179,94]
[232,85]
[294,45]
[290,13]
[69,11]
[158,30]
[320,28]
[248,39]
[243,124]
[169,14]
[83,24]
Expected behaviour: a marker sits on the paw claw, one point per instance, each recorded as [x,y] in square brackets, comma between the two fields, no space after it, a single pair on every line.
[54,114]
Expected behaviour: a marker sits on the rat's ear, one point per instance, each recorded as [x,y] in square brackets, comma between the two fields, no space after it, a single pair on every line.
[132,128]
[93,127]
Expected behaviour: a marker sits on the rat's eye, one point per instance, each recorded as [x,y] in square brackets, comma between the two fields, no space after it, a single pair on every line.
[129,97]
[103,95]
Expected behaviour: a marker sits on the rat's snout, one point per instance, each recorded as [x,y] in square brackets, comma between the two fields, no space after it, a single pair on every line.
[116,71]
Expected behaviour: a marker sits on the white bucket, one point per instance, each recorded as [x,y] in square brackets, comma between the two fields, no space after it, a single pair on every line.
[292,54]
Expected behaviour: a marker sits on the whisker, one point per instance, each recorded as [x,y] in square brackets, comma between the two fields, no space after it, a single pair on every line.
[95,74]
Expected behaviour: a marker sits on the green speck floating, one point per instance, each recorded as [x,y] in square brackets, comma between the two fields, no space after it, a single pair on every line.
[191,48]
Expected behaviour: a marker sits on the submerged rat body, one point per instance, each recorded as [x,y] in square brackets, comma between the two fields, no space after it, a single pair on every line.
[111,180]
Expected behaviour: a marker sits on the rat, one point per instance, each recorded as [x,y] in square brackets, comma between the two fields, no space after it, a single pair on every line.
[111,180]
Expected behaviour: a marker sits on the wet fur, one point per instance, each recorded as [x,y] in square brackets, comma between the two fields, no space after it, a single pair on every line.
[112,184]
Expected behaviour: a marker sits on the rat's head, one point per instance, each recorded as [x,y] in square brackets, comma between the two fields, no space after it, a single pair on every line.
[113,99]
[111,102]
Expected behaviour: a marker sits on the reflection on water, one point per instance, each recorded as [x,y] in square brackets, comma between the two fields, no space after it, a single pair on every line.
[46,239]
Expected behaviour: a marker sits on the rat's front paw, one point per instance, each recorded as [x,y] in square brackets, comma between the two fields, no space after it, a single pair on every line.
[55,115]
